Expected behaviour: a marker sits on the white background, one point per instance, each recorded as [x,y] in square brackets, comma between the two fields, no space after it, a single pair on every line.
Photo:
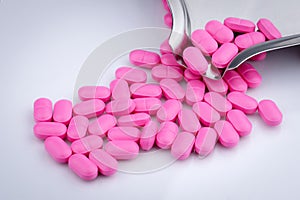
[42,47]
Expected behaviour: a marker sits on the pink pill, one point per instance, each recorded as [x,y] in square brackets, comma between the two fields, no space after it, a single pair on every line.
[259,57]
[250,75]
[165,47]
[147,105]
[242,102]
[218,102]
[58,149]
[43,130]
[169,59]
[87,144]
[137,119]
[62,111]
[169,111]
[219,86]
[269,112]
[183,145]
[172,89]
[188,121]
[228,136]
[239,25]
[131,75]
[168,20]
[224,55]
[140,90]
[106,164]
[102,124]
[83,167]
[235,81]
[42,110]
[77,128]
[219,32]
[205,141]
[124,133]
[122,150]
[162,72]
[240,122]
[268,29]
[166,135]
[207,115]
[90,108]
[194,91]
[204,41]
[166,5]
[119,89]
[249,39]
[144,58]
[148,135]
[189,75]
[195,60]
[94,92]
[120,107]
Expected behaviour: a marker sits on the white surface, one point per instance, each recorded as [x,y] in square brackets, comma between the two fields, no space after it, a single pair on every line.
[43,45]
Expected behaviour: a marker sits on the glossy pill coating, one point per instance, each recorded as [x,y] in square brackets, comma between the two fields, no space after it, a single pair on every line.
[131,75]
[120,107]
[219,32]
[194,91]
[102,124]
[183,145]
[219,86]
[169,110]
[90,108]
[239,25]
[205,141]
[268,29]
[207,115]
[94,92]
[250,75]
[166,135]
[143,58]
[240,122]
[195,60]
[87,144]
[162,72]
[77,128]
[58,149]
[124,133]
[119,89]
[235,81]
[42,110]
[106,164]
[218,102]
[165,47]
[148,135]
[168,20]
[172,89]
[147,105]
[228,136]
[62,111]
[247,40]
[122,150]
[189,75]
[43,130]
[242,102]
[136,119]
[269,112]
[169,59]
[188,121]
[224,55]
[140,90]
[83,167]
[204,41]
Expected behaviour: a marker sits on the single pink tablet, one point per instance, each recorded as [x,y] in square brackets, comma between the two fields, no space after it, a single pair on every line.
[269,112]
[87,144]
[83,167]
[204,41]
[147,105]
[207,115]
[218,102]
[136,119]
[94,92]
[148,135]
[162,72]
[120,107]
[168,20]
[240,122]
[119,89]
[219,86]
[250,75]
[58,149]
[143,58]
[102,124]
[205,141]
[195,60]
[219,32]
[124,133]
[224,55]
[106,164]
[165,47]
[122,150]
[247,40]
[166,135]
[77,128]
[242,102]
[62,111]
[188,121]
[235,81]
[140,90]
[228,136]
[90,108]
[166,5]
[268,29]
[169,110]
[189,75]
[183,145]
[194,91]
[42,110]
[239,25]
[43,130]
[172,89]
[131,75]
[169,59]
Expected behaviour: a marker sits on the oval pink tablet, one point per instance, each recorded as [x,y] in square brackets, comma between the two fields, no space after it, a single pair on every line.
[188,121]
[148,135]
[102,124]
[147,105]
[120,107]
[239,25]
[183,145]
[162,72]
[228,136]
[58,149]
[165,47]
[77,128]
[268,29]
[122,150]
[169,60]
[137,119]
[83,167]
[90,108]
[166,135]
[169,110]
[219,86]
[189,75]
[42,110]
[119,89]
[219,32]
[143,58]
[124,133]
[240,122]
[207,115]
[249,39]
[269,112]
[204,41]
[172,89]
[224,55]
[94,92]
[205,141]
[250,75]
[194,91]
[87,144]
[140,90]
[131,75]
[242,102]
[195,60]
[62,111]
[235,81]
[106,164]
[218,102]
[43,130]
[168,20]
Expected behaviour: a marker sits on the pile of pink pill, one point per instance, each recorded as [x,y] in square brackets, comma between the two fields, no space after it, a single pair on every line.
[115,123]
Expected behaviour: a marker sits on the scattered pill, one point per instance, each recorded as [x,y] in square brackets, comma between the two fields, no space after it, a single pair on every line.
[120,107]
[87,144]
[83,167]
[183,145]
[204,41]
[131,75]
[42,110]
[268,29]
[102,124]
[269,112]
[43,130]
[228,136]
[147,105]
[148,135]
[169,110]
[222,57]
[94,92]
[205,141]
[242,102]
[106,164]
[58,149]
[219,32]
[119,89]
[124,133]
[62,111]
[239,25]
[188,121]
[207,115]
[249,39]
[172,89]
[250,75]
[168,20]
[169,59]
[77,128]
[166,135]
[140,90]
[136,119]
[195,60]
[219,86]
[189,75]
[218,102]
[90,108]
[239,121]
[143,58]
[122,150]
[194,91]
[235,81]
[162,72]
